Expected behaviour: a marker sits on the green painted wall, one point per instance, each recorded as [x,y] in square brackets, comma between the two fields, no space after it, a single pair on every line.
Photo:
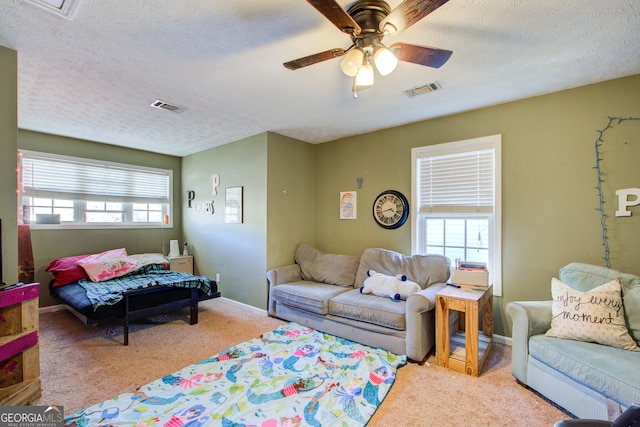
[277,174]
[235,251]
[549,200]
[50,244]
[383,161]
[8,146]
[291,197]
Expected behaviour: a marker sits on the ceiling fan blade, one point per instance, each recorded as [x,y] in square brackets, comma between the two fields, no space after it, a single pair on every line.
[337,15]
[428,56]
[314,59]
[408,13]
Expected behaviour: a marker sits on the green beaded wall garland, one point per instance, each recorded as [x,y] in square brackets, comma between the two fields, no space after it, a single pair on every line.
[603,216]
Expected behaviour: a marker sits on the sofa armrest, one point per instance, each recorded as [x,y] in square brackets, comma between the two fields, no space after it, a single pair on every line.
[528,318]
[420,322]
[425,299]
[286,274]
[278,276]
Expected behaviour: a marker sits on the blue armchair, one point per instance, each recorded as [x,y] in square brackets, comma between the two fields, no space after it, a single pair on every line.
[589,380]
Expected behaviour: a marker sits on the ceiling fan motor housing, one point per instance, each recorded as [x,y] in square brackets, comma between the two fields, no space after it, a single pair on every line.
[368,14]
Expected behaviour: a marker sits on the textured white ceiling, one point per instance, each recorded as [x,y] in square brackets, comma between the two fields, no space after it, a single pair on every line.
[94,76]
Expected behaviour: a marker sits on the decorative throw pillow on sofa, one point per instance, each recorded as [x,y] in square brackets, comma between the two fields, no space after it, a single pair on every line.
[425,270]
[333,269]
[108,265]
[594,316]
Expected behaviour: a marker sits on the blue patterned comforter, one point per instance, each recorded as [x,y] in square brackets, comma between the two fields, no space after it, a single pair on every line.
[111,291]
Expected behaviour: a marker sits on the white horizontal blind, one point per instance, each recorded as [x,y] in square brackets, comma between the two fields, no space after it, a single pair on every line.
[460,182]
[53,176]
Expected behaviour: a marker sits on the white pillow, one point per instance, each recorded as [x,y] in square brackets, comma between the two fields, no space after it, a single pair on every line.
[149,258]
[594,316]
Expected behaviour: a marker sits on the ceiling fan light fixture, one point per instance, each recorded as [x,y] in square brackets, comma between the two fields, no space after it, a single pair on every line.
[365,73]
[352,62]
[385,60]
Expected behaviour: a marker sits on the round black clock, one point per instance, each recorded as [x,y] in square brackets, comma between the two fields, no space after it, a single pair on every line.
[390,209]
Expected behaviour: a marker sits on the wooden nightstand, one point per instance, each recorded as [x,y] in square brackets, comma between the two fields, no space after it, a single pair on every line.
[465,350]
[183,264]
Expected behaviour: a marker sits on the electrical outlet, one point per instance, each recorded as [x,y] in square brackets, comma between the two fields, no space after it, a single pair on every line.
[217,277]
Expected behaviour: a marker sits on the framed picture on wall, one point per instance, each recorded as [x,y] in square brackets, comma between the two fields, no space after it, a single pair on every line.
[348,204]
[233,205]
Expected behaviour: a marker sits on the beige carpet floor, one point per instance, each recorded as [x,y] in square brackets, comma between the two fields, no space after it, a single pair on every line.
[83,365]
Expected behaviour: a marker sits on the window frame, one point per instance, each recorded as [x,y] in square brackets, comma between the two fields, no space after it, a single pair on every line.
[80,201]
[493,142]
[466,217]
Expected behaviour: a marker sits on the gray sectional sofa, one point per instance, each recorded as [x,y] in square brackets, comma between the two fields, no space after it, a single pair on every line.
[589,380]
[322,291]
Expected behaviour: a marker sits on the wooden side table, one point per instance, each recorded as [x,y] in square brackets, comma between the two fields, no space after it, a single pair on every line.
[19,351]
[466,349]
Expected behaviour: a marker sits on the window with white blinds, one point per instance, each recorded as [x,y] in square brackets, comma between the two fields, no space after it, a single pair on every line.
[457,182]
[85,191]
[456,189]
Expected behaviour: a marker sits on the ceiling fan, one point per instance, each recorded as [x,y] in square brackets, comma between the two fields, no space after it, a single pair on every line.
[368,22]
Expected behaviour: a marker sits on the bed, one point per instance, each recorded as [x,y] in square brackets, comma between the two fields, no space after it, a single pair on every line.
[125,287]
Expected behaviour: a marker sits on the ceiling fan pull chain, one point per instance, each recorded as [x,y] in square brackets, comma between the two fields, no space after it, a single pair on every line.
[354,89]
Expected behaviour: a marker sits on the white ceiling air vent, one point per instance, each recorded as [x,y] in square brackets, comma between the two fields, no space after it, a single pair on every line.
[64,8]
[419,90]
[163,105]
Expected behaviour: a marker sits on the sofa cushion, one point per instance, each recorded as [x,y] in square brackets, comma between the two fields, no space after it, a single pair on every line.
[369,308]
[608,370]
[425,270]
[306,295]
[582,277]
[596,315]
[332,269]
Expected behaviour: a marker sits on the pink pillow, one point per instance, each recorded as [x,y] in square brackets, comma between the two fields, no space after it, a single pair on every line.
[66,271]
[108,265]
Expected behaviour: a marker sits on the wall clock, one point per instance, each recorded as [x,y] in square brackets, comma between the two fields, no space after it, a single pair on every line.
[390,209]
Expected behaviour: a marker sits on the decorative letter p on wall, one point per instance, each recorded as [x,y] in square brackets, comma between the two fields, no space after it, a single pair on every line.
[624,202]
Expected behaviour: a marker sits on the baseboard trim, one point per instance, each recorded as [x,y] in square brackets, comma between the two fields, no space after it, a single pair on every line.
[501,339]
[243,305]
[51,308]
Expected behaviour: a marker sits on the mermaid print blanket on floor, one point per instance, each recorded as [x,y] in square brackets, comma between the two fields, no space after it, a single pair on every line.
[292,376]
